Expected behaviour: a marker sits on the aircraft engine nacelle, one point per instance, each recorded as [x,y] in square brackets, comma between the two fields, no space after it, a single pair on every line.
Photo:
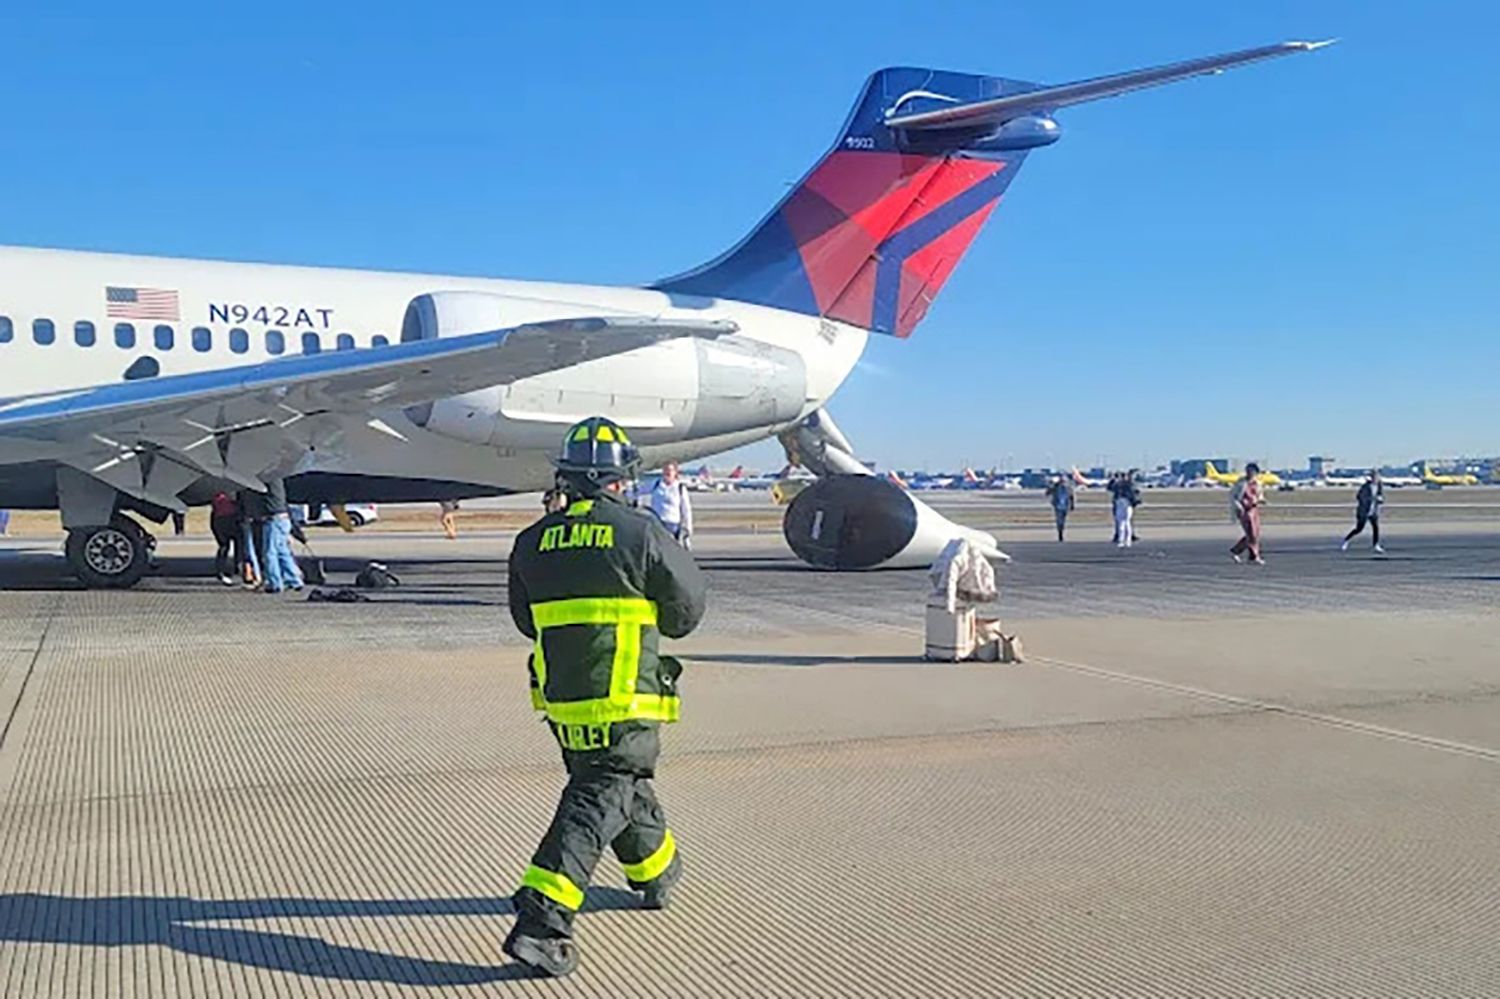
[688,387]
[852,522]
[469,417]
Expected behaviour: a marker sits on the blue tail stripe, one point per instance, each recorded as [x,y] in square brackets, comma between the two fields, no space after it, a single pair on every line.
[893,253]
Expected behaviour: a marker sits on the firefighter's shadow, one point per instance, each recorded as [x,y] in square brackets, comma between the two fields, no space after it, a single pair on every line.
[205,928]
[768,659]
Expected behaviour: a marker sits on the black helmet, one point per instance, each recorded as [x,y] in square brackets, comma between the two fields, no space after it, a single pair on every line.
[599,450]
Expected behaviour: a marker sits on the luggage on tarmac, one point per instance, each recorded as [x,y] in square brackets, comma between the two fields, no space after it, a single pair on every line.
[376,576]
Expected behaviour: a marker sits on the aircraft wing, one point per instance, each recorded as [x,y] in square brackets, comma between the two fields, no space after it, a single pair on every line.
[277,391]
[152,438]
[1045,100]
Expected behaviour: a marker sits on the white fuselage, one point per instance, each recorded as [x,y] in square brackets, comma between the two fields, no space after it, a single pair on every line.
[57,333]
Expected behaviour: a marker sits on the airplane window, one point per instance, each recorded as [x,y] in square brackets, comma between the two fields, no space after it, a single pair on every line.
[311,344]
[239,340]
[275,342]
[125,336]
[346,342]
[203,339]
[165,336]
[380,340]
[43,331]
[7,329]
[83,333]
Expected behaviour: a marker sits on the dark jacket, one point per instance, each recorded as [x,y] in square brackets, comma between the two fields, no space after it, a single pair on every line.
[1369,499]
[595,586]
[253,505]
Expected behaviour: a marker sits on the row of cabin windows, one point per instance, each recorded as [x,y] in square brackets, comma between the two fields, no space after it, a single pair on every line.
[44,332]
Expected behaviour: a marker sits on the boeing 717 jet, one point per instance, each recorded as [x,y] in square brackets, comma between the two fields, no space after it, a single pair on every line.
[132,387]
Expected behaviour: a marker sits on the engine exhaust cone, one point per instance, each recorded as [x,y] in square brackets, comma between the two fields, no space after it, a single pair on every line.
[853,522]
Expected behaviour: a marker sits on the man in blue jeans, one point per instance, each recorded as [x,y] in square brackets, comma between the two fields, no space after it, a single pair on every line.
[280,567]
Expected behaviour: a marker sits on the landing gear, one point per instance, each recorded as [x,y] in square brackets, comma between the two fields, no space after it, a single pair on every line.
[113,556]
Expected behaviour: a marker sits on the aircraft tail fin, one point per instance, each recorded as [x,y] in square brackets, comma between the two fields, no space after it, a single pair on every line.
[870,235]
[873,232]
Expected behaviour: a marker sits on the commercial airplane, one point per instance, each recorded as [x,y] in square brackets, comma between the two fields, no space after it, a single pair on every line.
[1212,474]
[132,387]
[1079,479]
[1438,480]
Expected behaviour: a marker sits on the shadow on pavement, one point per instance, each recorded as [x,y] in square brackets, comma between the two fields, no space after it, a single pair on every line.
[761,659]
[137,920]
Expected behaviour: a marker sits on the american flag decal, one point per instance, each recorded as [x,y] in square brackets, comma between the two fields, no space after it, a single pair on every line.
[141,303]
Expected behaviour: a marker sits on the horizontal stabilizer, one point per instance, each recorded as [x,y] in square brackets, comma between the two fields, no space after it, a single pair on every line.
[1044,100]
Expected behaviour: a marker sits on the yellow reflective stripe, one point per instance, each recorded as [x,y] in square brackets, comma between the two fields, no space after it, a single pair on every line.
[605,434]
[558,887]
[651,868]
[539,666]
[627,665]
[603,710]
[594,610]
[581,433]
[580,508]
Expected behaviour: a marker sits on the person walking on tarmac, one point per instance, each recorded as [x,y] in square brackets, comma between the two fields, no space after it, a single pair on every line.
[1060,496]
[1245,501]
[1367,511]
[596,585]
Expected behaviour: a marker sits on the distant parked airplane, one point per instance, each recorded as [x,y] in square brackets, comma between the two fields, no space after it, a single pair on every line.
[1431,478]
[1212,474]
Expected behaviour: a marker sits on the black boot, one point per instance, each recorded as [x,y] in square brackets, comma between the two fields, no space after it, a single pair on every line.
[551,956]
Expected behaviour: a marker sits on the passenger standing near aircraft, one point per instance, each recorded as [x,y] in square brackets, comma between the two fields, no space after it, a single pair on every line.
[449,518]
[1367,511]
[1124,499]
[671,504]
[223,521]
[595,586]
[1247,504]
[276,558]
[253,516]
[1060,495]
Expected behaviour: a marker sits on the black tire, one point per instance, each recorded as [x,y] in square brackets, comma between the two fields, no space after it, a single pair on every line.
[112,557]
[357,519]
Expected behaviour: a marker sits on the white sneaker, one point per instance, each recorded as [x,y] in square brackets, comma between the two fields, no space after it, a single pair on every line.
[1344,547]
[1379,550]
[1235,557]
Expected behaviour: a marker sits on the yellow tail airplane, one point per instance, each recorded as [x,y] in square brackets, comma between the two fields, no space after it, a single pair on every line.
[1212,474]
[1431,478]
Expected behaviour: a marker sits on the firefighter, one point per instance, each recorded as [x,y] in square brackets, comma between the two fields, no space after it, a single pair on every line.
[595,585]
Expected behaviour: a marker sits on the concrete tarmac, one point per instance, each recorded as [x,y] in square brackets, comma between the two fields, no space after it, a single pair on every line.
[1207,779]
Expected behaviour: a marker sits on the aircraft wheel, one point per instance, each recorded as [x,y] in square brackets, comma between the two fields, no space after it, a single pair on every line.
[113,556]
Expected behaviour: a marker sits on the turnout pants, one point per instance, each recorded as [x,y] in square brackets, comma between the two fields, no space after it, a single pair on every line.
[608,803]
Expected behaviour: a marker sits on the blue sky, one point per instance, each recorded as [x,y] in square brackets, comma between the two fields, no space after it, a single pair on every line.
[1291,258]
